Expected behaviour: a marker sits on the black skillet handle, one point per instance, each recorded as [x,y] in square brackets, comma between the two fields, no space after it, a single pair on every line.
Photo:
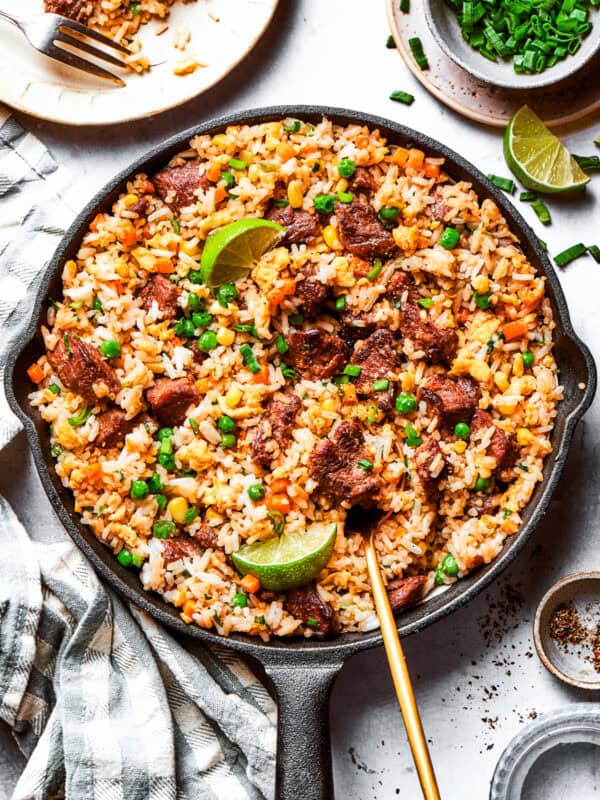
[304,767]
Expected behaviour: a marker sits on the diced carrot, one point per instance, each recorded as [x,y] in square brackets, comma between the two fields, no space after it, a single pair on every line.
[262,376]
[400,156]
[128,237]
[309,148]
[360,267]
[431,170]
[415,158]
[279,502]
[285,151]
[250,583]
[36,373]
[95,222]
[164,266]
[278,295]
[149,187]
[279,485]
[514,330]
[220,194]
[189,609]
[117,286]
[94,475]
[213,173]
[362,141]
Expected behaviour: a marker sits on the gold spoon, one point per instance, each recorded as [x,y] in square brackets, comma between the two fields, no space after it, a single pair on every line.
[366,522]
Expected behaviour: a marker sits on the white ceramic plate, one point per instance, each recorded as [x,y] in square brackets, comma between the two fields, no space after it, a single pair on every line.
[223,32]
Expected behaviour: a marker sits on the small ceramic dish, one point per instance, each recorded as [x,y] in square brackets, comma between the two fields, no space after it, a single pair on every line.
[551,756]
[571,663]
[444,26]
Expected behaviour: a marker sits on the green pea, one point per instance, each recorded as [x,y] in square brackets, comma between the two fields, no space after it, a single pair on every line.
[462,430]
[226,293]
[256,491]
[406,403]
[195,276]
[202,319]
[164,433]
[110,349]
[481,484]
[527,359]
[161,501]
[225,424]
[346,168]
[239,601]
[163,528]
[450,565]
[185,327]
[324,203]
[388,213]
[227,440]
[125,558]
[195,303]
[139,490]
[208,341]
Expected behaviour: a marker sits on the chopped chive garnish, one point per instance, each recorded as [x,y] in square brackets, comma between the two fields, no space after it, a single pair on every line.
[541,209]
[81,417]
[527,197]
[402,97]
[506,184]
[405,6]
[588,163]
[570,254]
[592,249]
[390,43]
[416,48]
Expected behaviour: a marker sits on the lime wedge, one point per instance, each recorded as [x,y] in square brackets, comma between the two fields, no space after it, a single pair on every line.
[230,251]
[538,158]
[289,560]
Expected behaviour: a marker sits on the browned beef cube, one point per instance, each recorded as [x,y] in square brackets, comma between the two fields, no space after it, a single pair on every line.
[81,367]
[274,429]
[455,399]
[306,605]
[312,294]
[165,293]
[301,227]
[316,354]
[438,344]
[79,10]
[376,356]
[364,181]
[430,466]
[179,547]
[356,326]
[170,399]
[140,206]
[361,232]
[178,186]
[439,209]
[334,466]
[206,536]
[501,446]
[406,591]
[113,426]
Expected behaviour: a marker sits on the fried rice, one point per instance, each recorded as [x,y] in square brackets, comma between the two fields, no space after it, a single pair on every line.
[443,493]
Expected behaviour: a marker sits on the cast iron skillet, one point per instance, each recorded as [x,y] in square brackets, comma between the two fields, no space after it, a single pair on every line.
[303,670]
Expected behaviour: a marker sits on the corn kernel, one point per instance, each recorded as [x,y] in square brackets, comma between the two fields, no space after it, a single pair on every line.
[177,508]
[130,199]
[234,395]
[484,471]
[221,141]
[295,195]
[190,248]
[331,237]
[509,526]
[525,437]
[480,371]
[501,381]
[517,366]
[212,514]
[460,446]
[407,382]
[185,66]
[506,404]
[225,336]
[180,599]
[349,393]
[202,384]
[281,257]
[329,404]
[527,385]
[342,185]
[481,284]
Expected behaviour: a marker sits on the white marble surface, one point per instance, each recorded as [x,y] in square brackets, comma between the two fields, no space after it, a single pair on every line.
[476,686]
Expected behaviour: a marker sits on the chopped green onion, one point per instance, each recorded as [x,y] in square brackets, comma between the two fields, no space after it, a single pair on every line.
[340,303]
[175,225]
[373,273]
[527,197]
[425,302]
[277,521]
[236,163]
[372,413]
[240,328]
[97,305]
[405,6]
[390,43]
[163,528]
[541,209]
[365,464]
[570,254]
[249,358]
[135,8]
[588,163]
[381,385]
[412,437]
[288,372]
[55,450]
[154,483]
[416,48]
[81,417]
[592,249]
[194,426]
[239,601]
[506,184]
[353,370]
[449,238]
[482,300]
[228,440]
[281,345]
[228,179]
[292,127]
[281,202]
[402,97]
[54,388]
[296,319]
[345,197]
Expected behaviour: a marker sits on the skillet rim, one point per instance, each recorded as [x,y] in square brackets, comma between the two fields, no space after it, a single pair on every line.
[342,646]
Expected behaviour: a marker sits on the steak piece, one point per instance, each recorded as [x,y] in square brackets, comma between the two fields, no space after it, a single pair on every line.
[113,426]
[361,232]
[179,547]
[406,591]
[170,399]
[206,537]
[165,293]
[80,366]
[356,326]
[312,293]
[364,181]
[140,206]
[430,466]
[438,209]
[177,186]
[274,429]
[454,399]
[334,466]
[501,446]
[438,344]
[377,358]
[301,227]
[305,604]
[316,354]
[74,9]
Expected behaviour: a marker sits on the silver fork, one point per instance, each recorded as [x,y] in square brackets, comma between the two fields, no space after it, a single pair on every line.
[49,32]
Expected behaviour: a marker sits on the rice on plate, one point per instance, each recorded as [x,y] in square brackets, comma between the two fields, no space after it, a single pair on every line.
[394,349]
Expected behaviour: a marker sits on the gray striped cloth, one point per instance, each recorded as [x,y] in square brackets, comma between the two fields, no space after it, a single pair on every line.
[103,702]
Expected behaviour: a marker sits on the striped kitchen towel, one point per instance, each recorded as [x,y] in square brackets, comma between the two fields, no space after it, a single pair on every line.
[103,702]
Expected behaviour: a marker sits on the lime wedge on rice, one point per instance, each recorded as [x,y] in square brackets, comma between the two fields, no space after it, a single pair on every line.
[538,158]
[230,251]
[290,560]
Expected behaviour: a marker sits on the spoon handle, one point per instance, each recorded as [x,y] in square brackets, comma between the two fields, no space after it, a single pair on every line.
[401,676]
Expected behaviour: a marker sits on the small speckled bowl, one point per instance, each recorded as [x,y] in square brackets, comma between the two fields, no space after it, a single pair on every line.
[573,664]
[444,26]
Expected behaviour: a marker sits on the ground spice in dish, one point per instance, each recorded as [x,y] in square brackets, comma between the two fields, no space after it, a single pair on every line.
[595,643]
[565,627]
